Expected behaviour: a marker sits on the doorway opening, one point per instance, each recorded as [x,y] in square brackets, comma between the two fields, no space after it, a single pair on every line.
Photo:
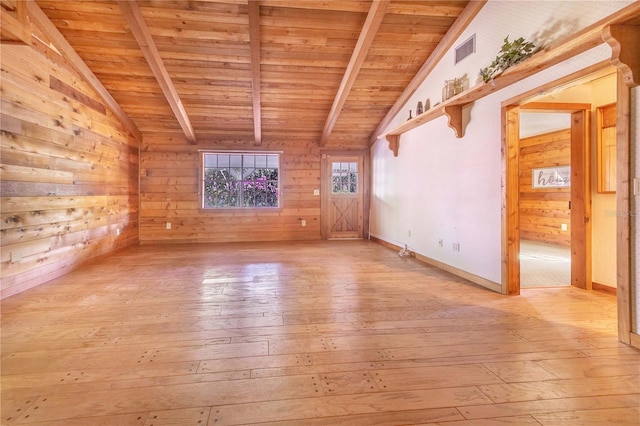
[544,163]
[550,183]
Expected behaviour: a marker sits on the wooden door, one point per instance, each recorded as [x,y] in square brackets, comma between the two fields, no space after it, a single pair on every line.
[343,201]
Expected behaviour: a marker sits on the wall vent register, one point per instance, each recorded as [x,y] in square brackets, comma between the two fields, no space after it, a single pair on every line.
[465,49]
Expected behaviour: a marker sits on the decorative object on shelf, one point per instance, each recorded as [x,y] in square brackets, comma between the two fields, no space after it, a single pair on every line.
[427,105]
[510,54]
[454,87]
[447,90]
[419,108]
[460,84]
[410,117]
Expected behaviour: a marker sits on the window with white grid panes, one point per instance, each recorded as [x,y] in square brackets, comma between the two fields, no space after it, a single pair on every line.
[240,180]
[344,177]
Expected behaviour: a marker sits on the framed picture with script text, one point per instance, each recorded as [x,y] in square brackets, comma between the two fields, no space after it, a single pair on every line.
[551,177]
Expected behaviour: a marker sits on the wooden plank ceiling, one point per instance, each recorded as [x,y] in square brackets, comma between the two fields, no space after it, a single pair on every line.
[276,70]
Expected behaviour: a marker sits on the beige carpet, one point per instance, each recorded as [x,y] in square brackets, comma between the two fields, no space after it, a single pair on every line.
[544,265]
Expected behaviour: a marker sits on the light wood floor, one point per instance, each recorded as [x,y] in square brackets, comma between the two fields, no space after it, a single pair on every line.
[326,333]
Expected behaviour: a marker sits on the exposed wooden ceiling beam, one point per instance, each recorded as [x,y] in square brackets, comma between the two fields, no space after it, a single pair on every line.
[365,40]
[464,19]
[39,18]
[254,41]
[140,31]
[338,6]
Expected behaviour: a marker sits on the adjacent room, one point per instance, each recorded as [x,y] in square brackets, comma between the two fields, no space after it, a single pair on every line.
[301,212]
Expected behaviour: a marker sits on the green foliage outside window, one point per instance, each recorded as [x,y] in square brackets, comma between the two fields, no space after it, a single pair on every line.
[345,183]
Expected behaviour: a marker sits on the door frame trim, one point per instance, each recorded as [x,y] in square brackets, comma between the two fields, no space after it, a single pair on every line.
[510,193]
[580,194]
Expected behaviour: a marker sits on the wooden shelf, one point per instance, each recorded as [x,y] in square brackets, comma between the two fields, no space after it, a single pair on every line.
[586,39]
[451,107]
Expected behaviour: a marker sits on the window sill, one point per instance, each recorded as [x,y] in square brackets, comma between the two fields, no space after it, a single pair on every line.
[235,210]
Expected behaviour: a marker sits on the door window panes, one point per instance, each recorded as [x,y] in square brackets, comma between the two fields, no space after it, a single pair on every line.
[344,177]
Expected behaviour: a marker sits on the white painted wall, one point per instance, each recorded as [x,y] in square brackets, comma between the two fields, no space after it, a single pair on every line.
[440,187]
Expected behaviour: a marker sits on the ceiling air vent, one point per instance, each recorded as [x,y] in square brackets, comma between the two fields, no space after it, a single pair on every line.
[465,49]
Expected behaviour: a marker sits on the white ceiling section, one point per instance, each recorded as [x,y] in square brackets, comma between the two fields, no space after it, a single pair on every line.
[537,123]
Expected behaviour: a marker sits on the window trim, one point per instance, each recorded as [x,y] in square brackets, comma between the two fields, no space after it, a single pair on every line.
[203,209]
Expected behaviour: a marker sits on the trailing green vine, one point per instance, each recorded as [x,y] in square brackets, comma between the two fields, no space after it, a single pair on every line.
[510,54]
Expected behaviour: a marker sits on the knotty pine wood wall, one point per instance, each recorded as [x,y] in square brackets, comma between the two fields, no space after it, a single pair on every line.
[69,172]
[169,184]
[543,211]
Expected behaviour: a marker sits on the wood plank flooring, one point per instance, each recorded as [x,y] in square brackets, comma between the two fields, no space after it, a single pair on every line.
[320,333]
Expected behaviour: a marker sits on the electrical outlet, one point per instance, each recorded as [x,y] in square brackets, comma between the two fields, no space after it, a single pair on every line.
[303,222]
[456,246]
[168,225]
[316,192]
[409,233]
[564,227]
